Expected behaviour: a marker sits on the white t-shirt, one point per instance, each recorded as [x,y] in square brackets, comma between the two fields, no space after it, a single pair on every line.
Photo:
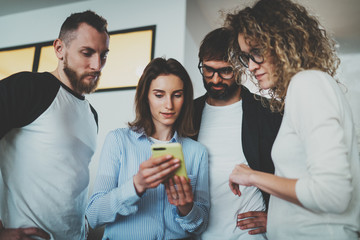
[220,132]
[45,165]
[316,144]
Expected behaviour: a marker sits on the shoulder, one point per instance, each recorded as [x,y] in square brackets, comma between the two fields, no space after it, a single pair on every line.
[35,78]
[30,84]
[312,84]
[200,100]
[307,78]
[119,132]
[124,135]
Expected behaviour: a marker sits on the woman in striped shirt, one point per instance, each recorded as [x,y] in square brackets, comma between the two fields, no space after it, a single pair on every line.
[134,192]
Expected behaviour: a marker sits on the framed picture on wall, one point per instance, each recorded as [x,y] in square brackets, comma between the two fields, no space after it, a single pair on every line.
[130,51]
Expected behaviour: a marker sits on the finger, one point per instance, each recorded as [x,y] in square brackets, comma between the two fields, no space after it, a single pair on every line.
[187,189]
[259,221]
[173,189]
[252,214]
[235,188]
[157,183]
[184,191]
[162,159]
[155,161]
[168,164]
[179,187]
[250,224]
[158,173]
[168,193]
[36,232]
[257,231]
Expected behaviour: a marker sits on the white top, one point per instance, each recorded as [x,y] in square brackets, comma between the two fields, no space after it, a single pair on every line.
[45,169]
[317,145]
[220,132]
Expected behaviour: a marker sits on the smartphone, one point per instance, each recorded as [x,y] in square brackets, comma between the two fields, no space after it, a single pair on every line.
[174,149]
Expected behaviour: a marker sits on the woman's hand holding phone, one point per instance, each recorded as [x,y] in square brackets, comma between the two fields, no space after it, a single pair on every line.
[154,171]
[179,193]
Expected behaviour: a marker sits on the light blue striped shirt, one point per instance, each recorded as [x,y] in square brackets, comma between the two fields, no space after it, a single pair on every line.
[127,216]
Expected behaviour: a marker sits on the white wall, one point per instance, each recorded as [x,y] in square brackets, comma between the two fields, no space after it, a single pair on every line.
[349,75]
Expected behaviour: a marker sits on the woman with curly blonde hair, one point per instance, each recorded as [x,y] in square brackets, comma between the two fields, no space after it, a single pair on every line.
[315,192]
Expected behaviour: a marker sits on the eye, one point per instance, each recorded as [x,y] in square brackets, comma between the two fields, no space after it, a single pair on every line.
[158,95]
[226,70]
[256,52]
[104,55]
[208,69]
[178,95]
[86,53]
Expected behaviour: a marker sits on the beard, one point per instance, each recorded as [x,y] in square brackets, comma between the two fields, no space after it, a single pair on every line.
[78,83]
[225,94]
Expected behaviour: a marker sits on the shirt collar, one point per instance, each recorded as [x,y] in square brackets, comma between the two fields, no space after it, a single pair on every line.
[141,134]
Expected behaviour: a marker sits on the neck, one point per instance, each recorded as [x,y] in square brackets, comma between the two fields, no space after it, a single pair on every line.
[220,102]
[163,134]
[62,77]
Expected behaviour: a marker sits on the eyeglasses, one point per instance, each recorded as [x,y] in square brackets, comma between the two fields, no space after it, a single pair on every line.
[225,73]
[255,55]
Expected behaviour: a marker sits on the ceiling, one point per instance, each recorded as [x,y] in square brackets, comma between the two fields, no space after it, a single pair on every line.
[340,17]
[17,6]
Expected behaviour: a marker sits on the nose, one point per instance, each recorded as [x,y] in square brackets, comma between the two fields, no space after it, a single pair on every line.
[216,78]
[96,63]
[169,103]
[253,65]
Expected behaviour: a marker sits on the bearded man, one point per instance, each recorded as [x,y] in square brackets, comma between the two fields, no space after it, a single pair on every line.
[236,128]
[48,134]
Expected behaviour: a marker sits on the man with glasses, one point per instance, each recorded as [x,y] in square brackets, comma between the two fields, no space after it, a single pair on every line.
[235,128]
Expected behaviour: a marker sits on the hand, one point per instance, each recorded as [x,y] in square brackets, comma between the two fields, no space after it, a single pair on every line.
[21,233]
[179,193]
[254,219]
[240,176]
[154,171]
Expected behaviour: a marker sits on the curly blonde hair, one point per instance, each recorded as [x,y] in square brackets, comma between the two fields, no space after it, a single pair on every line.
[292,38]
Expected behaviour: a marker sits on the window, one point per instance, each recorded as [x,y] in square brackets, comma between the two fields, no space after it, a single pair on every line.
[130,51]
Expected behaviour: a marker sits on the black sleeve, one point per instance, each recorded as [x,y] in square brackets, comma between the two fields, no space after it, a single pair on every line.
[95,116]
[199,105]
[259,130]
[24,97]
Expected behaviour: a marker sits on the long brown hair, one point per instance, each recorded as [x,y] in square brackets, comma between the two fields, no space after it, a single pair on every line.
[143,120]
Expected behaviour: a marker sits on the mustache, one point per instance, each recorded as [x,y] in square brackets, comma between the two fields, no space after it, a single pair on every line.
[92,74]
[217,85]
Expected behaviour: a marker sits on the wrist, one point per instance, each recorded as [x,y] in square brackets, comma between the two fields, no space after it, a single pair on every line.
[184,210]
[253,178]
[138,188]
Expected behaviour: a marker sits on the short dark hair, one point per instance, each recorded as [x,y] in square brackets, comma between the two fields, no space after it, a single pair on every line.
[215,45]
[72,23]
[143,120]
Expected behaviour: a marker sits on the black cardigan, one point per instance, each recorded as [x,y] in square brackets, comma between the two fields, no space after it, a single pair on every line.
[259,129]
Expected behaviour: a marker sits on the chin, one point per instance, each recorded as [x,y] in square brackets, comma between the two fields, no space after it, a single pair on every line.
[265,86]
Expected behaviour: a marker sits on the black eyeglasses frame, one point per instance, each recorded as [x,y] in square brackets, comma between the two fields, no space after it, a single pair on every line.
[218,71]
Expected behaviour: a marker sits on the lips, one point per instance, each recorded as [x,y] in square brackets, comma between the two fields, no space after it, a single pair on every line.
[259,76]
[217,88]
[167,115]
